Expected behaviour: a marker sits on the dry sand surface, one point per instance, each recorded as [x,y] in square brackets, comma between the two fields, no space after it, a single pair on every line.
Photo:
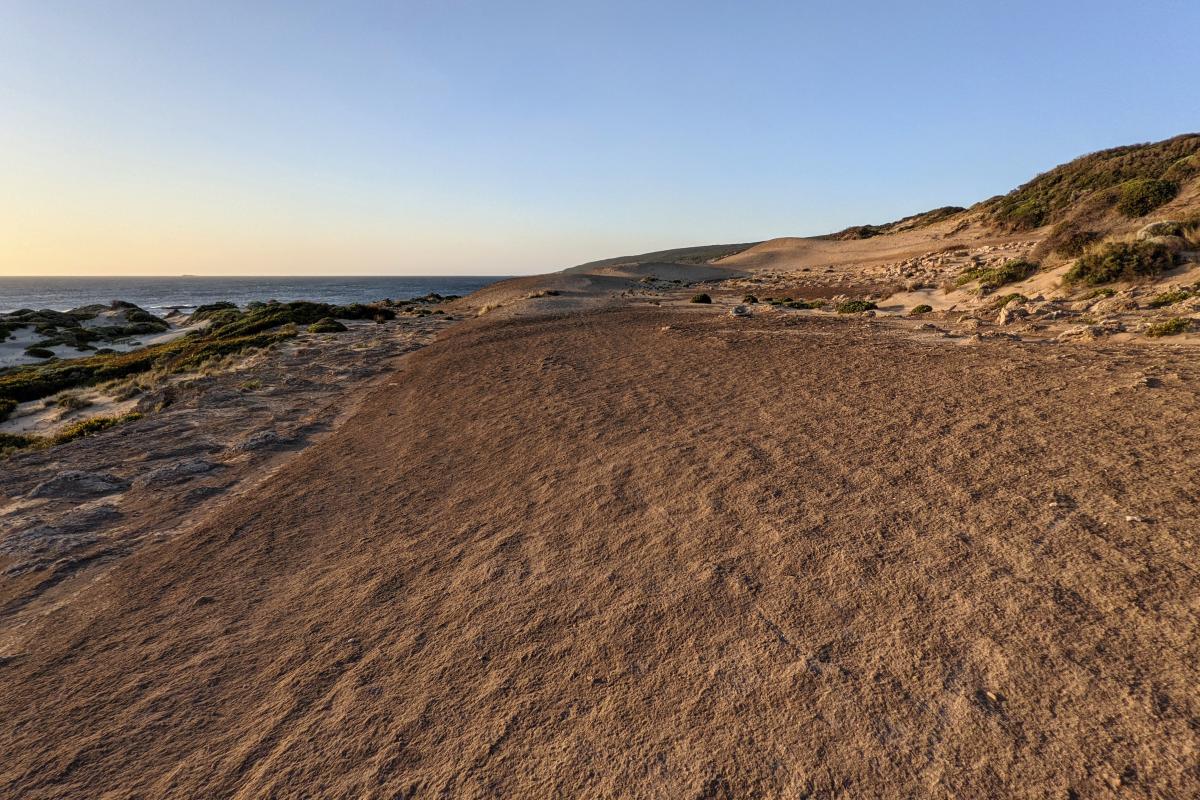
[664,553]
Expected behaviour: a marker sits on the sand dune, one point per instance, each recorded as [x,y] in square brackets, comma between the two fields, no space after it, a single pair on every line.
[663,553]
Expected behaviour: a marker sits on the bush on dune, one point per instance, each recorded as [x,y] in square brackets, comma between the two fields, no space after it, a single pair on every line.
[1114,261]
[992,278]
[855,306]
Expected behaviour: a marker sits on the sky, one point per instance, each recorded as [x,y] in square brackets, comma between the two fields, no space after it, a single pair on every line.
[474,138]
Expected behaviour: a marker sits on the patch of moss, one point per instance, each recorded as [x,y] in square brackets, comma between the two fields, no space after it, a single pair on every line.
[1115,261]
[923,308]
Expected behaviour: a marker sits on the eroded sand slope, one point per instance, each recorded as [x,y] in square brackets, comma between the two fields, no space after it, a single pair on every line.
[778,557]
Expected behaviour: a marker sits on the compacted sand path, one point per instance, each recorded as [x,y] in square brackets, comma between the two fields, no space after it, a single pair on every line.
[593,557]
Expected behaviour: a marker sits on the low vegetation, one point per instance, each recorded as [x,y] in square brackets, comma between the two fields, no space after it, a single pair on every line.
[77,430]
[1170,298]
[923,308]
[1068,239]
[992,278]
[749,299]
[855,306]
[700,298]
[1170,327]
[1014,297]
[1135,178]
[1116,261]
[1142,195]
[907,223]
[87,427]
[327,325]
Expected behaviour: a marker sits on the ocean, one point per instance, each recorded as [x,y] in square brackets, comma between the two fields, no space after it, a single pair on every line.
[160,294]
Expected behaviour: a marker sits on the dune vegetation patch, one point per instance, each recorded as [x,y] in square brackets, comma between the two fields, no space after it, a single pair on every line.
[1116,261]
[1141,196]
[1134,177]
[923,308]
[327,325]
[1170,298]
[1170,327]
[700,298]
[991,278]
[855,306]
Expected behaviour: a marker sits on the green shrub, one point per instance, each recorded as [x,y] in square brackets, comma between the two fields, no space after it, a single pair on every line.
[39,352]
[13,441]
[1141,196]
[749,299]
[1106,291]
[801,305]
[855,306]
[924,308]
[6,408]
[1169,298]
[87,427]
[991,278]
[1004,300]
[1115,261]
[1053,194]
[1068,240]
[326,325]
[1170,327]
[700,298]
[72,401]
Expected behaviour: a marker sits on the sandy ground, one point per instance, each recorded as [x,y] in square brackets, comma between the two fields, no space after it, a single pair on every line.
[661,552]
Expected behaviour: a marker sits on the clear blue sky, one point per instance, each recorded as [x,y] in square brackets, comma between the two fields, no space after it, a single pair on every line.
[509,137]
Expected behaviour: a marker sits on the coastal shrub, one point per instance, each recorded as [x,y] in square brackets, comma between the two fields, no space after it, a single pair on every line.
[326,325]
[700,298]
[1004,300]
[72,401]
[855,306]
[803,304]
[1069,240]
[1170,327]
[1053,195]
[1115,261]
[1169,298]
[15,441]
[1141,196]
[1104,291]
[991,278]
[39,352]
[749,299]
[6,408]
[923,308]
[42,380]
[87,427]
